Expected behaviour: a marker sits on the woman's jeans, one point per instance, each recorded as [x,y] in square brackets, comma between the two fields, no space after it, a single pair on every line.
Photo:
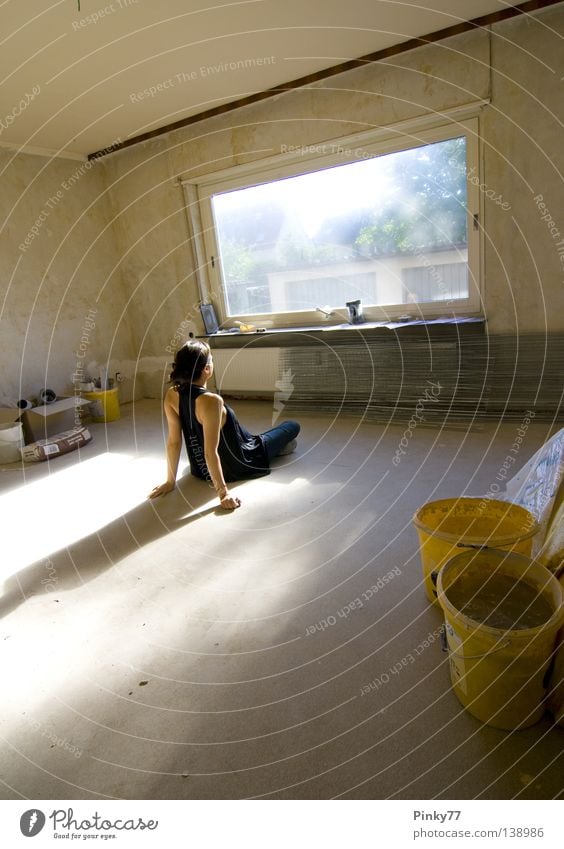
[278,437]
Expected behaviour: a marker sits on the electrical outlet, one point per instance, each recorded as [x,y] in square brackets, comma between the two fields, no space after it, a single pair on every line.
[119,378]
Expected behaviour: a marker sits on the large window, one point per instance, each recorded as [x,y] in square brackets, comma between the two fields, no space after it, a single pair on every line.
[395,229]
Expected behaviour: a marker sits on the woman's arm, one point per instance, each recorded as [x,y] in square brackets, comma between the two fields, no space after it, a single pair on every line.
[173,445]
[210,408]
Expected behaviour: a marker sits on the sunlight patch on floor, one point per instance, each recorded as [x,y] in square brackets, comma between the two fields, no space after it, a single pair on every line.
[257,492]
[48,514]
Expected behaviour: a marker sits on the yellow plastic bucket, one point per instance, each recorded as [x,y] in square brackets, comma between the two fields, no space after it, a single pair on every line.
[447,526]
[104,406]
[502,615]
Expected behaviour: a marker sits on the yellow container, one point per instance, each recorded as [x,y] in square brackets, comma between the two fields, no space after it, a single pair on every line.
[104,405]
[447,526]
[498,673]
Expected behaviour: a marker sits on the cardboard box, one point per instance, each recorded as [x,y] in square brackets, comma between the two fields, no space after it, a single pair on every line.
[50,419]
[62,443]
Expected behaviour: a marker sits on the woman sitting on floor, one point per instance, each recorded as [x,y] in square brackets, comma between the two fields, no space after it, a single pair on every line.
[219,448]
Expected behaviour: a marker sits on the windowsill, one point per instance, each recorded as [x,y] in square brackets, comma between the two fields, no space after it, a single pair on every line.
[324,328]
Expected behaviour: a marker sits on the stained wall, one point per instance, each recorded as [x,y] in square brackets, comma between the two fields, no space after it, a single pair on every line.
[62,298]
[120,238]
[517,65]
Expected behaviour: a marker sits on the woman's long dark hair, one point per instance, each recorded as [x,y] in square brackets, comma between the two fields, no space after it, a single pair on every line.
[189,363]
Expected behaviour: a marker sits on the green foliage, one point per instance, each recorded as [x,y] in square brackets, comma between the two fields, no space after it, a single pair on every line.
[428,207]
[238,261]
[295,249]
[425,210]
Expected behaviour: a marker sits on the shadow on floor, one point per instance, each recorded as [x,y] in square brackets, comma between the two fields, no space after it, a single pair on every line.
[87,558]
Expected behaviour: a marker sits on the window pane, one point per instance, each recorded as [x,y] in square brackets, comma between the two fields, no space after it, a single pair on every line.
[388,230]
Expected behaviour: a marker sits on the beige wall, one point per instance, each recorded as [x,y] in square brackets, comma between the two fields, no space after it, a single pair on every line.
[518,64]
[60,286]
[523,273]
[524,158]
[156,261]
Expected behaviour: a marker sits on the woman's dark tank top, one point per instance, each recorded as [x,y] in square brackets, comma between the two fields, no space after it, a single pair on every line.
[242,454]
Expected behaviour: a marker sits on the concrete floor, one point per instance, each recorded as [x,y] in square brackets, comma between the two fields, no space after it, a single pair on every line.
[170,650]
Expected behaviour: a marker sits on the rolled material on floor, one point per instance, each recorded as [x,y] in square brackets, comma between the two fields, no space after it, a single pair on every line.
[47,396]
[61,443]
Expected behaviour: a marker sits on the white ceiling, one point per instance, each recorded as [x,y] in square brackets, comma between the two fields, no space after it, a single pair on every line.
[80,77]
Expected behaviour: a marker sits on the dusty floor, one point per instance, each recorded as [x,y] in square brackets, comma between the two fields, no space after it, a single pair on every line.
[171,650]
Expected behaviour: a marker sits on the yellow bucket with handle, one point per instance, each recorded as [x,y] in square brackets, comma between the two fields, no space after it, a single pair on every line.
[449,526]
[104,405]
[502,613]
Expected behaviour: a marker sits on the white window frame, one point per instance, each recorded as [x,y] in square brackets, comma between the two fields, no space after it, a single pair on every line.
[463,121]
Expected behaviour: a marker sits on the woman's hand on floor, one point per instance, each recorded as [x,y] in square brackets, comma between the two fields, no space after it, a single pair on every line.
[229,502]
[162,489]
